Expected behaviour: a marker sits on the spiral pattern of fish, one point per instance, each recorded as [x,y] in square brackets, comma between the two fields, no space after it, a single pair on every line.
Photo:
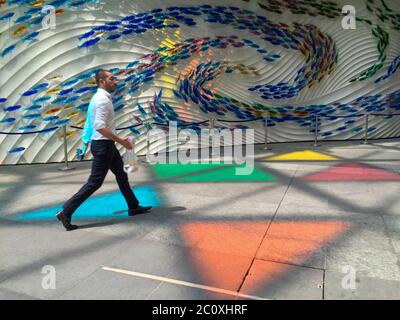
[240,62]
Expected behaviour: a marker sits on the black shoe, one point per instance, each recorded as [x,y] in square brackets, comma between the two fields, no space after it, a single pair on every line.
[66,221]
[138,210]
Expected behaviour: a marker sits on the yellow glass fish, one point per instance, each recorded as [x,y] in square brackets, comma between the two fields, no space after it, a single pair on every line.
[54,91]
[20,31]
[55,78]
[68,107]
[70,134]
[80,123]
[37,3]
[73,114]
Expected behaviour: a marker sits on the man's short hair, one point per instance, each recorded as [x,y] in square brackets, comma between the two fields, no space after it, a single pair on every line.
[101,74]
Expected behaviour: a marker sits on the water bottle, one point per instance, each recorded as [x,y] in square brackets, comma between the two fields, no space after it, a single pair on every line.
[130,159]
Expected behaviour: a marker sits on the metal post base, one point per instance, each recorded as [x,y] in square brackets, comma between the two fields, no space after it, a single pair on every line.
[266,147]
[66,169]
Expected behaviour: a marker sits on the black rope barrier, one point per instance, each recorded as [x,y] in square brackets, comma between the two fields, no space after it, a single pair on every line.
[182,125]
[343,117]
[29,132]
[385,114]
[118,129]
[240,121]
[203,122]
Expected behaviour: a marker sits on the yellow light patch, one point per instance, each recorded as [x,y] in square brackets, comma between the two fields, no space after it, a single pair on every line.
[306,155]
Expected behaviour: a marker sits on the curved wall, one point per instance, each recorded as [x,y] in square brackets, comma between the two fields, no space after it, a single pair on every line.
[230,60]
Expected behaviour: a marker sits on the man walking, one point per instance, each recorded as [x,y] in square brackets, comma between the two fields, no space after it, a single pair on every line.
[105,154]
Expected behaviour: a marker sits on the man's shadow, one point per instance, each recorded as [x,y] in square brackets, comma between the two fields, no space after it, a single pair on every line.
[127,219]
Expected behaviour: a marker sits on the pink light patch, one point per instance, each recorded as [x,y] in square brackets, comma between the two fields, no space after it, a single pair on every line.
[354,172]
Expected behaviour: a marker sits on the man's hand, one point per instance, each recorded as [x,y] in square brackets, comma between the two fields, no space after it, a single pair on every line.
[110,135]
[126,142]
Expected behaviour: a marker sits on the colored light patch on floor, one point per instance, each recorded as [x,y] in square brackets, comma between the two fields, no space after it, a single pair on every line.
[208,173]
[98,207]
[306,155]
[354,172]
[223,253]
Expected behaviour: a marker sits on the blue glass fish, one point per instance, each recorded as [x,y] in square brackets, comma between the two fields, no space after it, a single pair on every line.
[16,150]
[42,99]
[31,116]
[30,36]
[51,118]
[35,21]
[65,92]
[69,83]
[29,127]
[33,107]
[8,120]
[12,108]
[87,35]
[29,93]
[23,18]
[62,122]
[7,16]
[89,43]
[40,87]
[85,89]
[8,50]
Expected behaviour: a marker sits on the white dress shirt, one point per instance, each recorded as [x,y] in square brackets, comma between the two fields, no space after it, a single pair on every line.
[102,113]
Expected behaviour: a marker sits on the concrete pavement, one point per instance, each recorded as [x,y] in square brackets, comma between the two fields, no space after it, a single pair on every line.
[298,228]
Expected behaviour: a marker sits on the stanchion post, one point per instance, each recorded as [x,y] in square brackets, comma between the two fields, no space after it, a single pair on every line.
[316,131]
[212,135]
[266,147]
[366,129]
[147,144]
[67,167]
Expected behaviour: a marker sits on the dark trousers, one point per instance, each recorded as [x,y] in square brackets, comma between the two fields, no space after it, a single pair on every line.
[105,157]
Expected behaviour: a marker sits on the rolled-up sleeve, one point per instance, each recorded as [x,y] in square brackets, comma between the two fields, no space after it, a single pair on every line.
[102,114]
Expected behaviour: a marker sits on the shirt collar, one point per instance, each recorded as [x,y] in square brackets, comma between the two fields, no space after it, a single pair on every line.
[107,94]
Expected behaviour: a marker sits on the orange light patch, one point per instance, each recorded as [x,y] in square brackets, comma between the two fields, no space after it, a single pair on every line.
[240,239]
[292,242]
[224,252]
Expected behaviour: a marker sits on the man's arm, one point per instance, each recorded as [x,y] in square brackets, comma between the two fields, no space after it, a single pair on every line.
[112,136]
[102,112]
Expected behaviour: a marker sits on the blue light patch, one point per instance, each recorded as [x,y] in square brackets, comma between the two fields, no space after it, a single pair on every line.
[98,207]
